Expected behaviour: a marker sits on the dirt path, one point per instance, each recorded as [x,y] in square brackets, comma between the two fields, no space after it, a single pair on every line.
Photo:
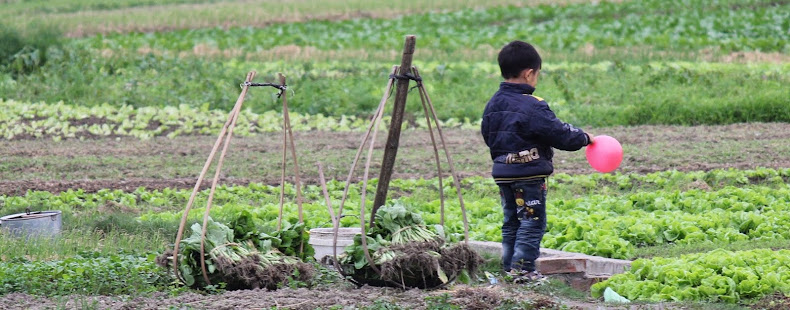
[321,298]
[127,163]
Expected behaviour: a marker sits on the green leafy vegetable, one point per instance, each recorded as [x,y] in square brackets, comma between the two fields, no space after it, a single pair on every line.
[719,275]
[237,263]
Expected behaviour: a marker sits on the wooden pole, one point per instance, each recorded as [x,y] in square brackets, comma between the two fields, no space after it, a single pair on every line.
[182,225]
[391,148]
[298,182]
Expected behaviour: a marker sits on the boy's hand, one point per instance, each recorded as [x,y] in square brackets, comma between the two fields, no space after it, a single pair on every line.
[590,137]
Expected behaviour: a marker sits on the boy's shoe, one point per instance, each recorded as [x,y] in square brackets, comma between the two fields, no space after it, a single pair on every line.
[523,276]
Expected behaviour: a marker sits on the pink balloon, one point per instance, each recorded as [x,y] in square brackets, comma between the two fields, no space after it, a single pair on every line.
[604,154]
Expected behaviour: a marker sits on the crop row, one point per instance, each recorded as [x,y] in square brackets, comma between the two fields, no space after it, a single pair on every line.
[598,225]
[641,187]
[655,23]
[613,226]
[610,224]
[147,97]
[719,275]
[21,120]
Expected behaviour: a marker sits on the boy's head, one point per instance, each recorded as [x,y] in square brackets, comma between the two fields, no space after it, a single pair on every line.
[519,62]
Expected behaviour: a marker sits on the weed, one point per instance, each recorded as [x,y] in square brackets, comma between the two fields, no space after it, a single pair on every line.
[85,273]
[380,304]
[22,53]
[12,43]
[440,302]
[557,287]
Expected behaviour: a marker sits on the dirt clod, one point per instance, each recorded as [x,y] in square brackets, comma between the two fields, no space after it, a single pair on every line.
[477,298]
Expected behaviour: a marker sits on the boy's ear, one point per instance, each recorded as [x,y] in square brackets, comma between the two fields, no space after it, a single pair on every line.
[526,73]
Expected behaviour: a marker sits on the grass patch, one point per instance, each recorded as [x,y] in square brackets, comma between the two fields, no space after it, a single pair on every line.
[557,287]
[26,51]
[85,273]
[491,264]
[101,231]
[72,242]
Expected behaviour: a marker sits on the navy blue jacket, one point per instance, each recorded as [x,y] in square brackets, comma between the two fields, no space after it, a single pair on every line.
[520,131]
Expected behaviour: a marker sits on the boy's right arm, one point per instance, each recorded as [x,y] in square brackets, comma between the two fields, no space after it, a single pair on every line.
[558,134]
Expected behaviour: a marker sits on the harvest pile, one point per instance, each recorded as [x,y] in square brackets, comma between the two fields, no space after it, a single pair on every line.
[247,256]
[407,253]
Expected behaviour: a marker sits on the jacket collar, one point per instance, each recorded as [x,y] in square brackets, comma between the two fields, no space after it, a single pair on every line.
[516,88]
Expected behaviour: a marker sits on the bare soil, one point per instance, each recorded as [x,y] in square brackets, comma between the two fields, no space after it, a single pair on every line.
[777,301]
[260,299]
[461,296]
[127,163]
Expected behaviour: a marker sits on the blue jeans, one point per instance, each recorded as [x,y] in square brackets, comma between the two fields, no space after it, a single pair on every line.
[524,207]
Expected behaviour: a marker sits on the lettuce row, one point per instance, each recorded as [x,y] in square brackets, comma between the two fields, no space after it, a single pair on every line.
[716,276]
[610,225]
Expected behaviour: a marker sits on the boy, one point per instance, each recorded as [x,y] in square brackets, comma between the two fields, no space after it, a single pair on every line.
[520,131]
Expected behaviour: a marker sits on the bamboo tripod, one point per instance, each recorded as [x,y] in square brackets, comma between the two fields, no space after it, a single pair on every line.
[407,72]
[225,135]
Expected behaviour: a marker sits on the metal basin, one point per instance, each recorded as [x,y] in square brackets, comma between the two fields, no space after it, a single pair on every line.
[33,224]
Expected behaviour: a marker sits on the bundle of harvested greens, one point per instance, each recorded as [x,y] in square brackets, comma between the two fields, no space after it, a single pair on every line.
[290,239]
[407,253]
[240,265]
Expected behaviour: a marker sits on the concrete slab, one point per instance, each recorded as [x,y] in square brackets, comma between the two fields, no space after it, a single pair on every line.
[495,249]
[487,247]
[559,262]
[598,266]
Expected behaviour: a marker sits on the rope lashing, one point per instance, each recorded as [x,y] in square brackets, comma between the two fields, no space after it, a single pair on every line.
[407,76]
[282,88]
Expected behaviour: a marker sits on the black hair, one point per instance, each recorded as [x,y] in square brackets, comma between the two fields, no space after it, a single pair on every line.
[518,56]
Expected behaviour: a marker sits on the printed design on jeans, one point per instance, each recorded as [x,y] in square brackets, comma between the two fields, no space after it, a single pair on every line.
[543,188]
[520,197]
[524,208]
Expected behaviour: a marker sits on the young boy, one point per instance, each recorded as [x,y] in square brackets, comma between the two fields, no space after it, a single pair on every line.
[520,131]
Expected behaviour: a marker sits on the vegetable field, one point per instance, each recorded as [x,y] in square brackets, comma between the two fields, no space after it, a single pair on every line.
[108,110]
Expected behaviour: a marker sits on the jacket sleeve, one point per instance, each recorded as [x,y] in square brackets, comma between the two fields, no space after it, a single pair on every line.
[558,134]
[485,126]
[484,129]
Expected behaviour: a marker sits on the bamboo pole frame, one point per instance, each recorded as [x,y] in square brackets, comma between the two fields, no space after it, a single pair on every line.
[429,110]
[225,136]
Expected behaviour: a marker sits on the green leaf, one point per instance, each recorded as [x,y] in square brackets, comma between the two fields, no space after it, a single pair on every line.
[441,274]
